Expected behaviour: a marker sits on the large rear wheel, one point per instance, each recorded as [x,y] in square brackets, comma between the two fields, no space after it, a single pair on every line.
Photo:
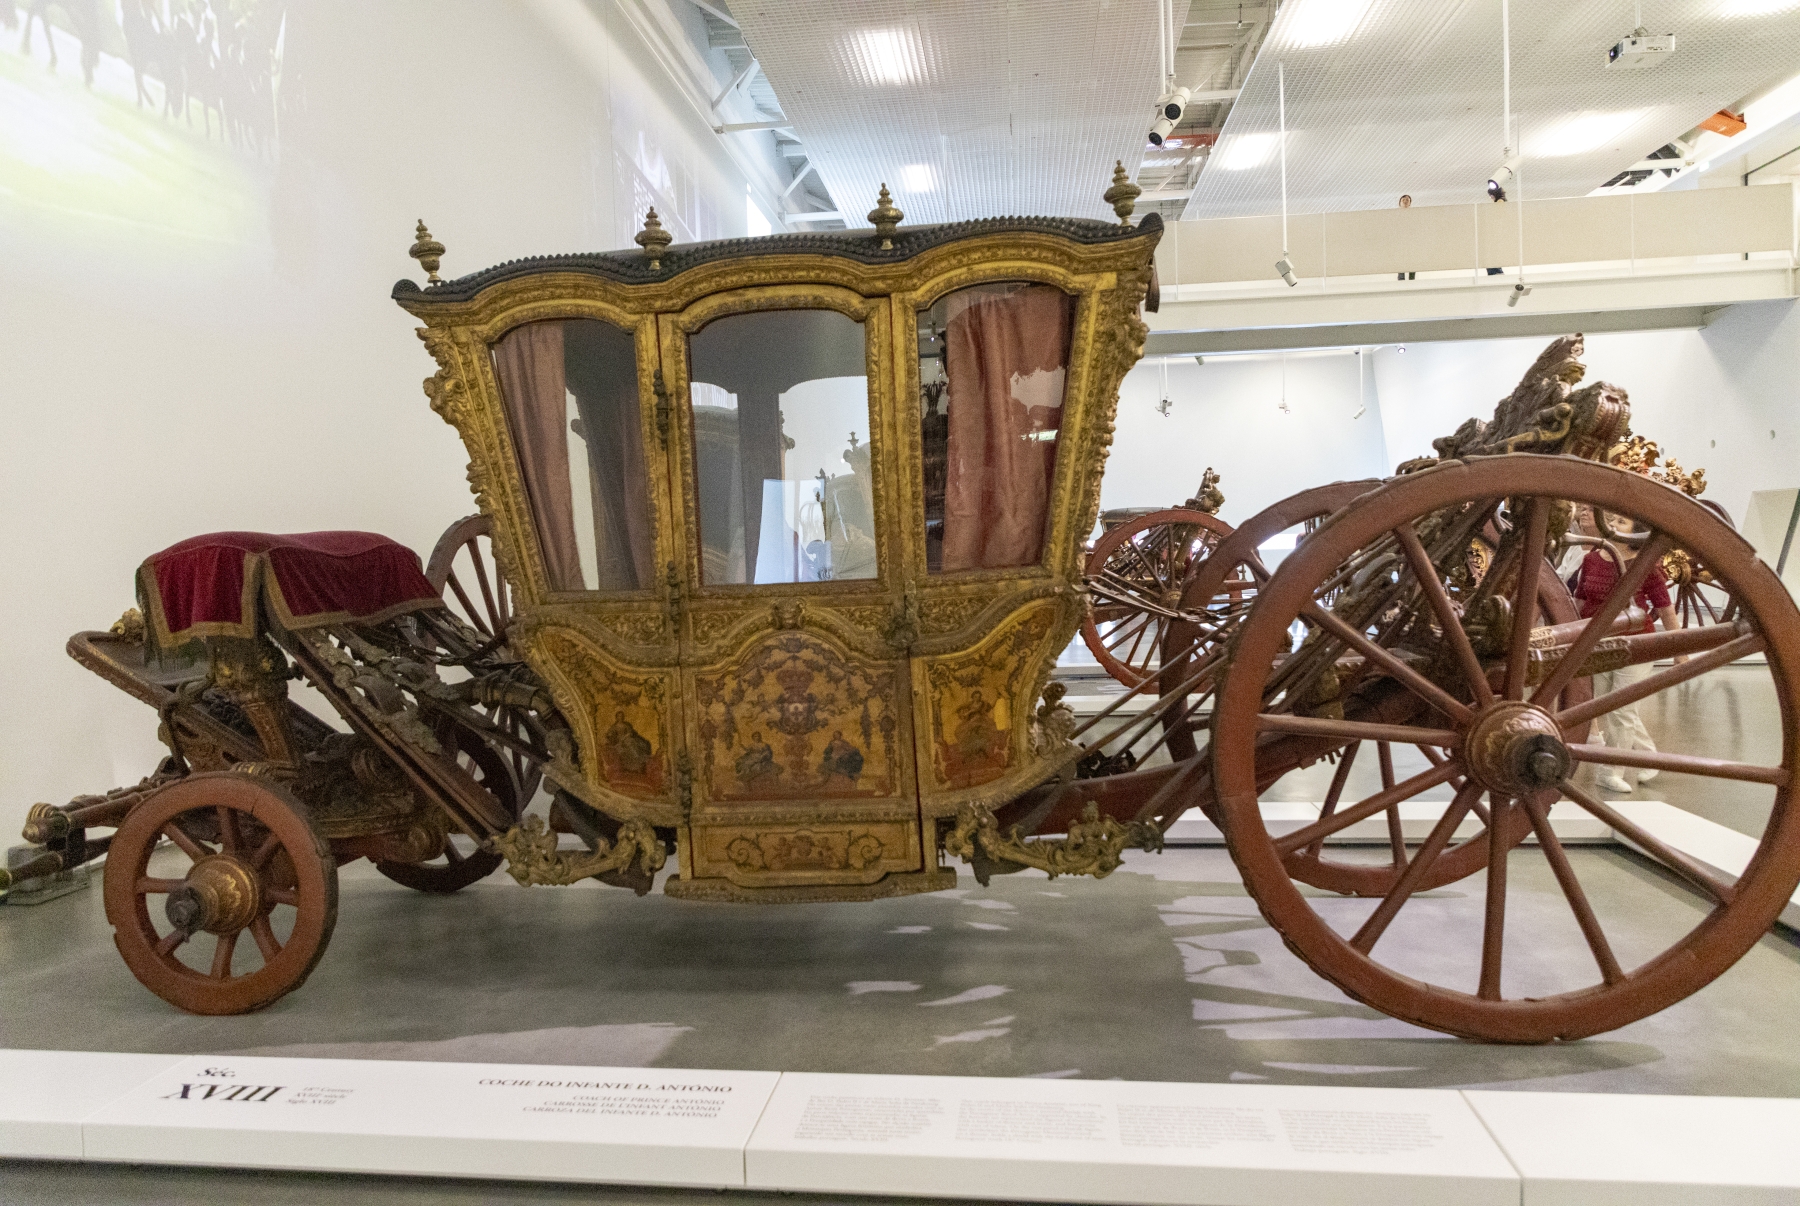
[1403,654]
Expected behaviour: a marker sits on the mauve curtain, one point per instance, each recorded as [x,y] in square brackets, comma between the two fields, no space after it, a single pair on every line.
[529,362]
[600,362]
[997,493]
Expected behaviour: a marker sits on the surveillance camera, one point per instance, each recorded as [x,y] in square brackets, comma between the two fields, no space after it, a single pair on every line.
[1287,270]
[1501,177]
[1161,130]
[1519,290]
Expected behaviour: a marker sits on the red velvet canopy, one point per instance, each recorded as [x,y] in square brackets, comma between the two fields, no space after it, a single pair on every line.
[209,585]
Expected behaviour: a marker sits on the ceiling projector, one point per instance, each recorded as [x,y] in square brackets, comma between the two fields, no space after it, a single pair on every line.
[1641,49]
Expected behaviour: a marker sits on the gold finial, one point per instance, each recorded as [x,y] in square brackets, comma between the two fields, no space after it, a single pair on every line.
[1123,193]
[886,217]
[653,238]
[428,251]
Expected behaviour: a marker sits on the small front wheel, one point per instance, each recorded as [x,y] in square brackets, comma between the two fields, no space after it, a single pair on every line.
[248,865]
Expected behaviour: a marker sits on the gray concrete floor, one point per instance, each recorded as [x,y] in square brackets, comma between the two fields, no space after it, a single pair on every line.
[1164,971]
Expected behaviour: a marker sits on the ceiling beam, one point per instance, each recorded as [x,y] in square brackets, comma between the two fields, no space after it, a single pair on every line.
[707,6]
[1429,330]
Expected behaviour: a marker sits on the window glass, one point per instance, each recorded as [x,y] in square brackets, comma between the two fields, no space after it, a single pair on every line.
[571,394]
[781,448]
[992,366]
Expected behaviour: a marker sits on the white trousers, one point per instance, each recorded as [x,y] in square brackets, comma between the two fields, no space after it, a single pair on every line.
[1622,728]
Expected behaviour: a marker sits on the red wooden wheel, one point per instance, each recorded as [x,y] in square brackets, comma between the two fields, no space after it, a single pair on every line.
[250,865]
[1407,672]
[462,862]
[462,565]
[1135,577]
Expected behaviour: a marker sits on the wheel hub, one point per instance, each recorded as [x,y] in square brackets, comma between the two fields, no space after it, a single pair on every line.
[1516,749]
[220,895]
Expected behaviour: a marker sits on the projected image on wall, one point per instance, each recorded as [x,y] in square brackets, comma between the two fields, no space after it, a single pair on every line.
[157,114]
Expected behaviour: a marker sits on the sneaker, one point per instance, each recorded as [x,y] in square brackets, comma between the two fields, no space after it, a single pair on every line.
[1612,780]
[1649,772]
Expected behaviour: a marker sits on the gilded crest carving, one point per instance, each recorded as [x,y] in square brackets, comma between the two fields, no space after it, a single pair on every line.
[975,702]
[795,718]
[625,716]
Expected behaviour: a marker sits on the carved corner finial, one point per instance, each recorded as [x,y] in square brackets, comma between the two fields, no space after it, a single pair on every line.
[1123,194]
[428,251]
[653,238]
[886,217]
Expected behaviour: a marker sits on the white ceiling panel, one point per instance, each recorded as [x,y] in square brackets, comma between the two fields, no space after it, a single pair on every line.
[1386,97]
[964,108]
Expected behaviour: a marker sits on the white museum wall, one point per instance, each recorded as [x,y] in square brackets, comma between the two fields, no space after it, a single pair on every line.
[198,336]
[1226,413]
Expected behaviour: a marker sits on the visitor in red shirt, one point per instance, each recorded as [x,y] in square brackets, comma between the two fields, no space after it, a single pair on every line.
[1622,728]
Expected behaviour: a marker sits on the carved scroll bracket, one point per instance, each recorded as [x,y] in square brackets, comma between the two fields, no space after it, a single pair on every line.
[1094,844]
[532,856]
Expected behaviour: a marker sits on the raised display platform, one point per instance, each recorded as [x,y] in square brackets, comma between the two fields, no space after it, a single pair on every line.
[966,1137]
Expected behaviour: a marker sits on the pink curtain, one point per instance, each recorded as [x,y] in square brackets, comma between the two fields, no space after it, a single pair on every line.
[624,542]
[529,362]
[1006,356]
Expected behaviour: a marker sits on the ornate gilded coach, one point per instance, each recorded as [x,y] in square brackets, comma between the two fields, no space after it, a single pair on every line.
[794,525]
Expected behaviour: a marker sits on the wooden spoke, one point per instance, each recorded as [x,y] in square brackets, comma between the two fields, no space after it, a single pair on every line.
[171,940]
[148,886]
[193,849]
[1448,617]
[286,896]
[1493,930]
[451,853]
[1525,598]
[1681,764]
[1346,757]
[1396,834]
[1662,680]
[221,964]
[229,841]
[265,938]
[1366,937]
[1421,686]
[1701,877]
[1325,827]
[1355,730]
[1558,859]
[469,608]
[265,852]
[487,592]
[1600,623]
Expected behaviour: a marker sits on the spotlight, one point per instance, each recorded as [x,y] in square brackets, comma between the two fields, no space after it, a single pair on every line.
[1401,349]
[1199,360]
[1502,176]
[1160,131]
[1519,290]
[1360,411]
[1287,270]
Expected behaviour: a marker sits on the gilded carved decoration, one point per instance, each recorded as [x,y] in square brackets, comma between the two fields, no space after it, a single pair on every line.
[795,719]
[1094,845]
[620,719]
[977,703]
[532,856]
